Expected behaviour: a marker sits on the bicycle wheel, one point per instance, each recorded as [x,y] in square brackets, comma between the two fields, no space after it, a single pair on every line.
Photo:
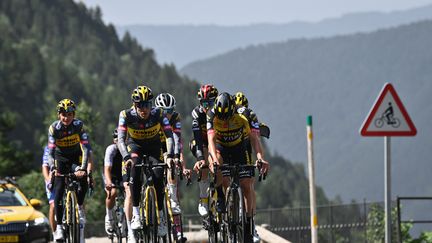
[168,217]
[236,216]
[151,217]
[396,123]
[379,122]
[212,217]
[73,227]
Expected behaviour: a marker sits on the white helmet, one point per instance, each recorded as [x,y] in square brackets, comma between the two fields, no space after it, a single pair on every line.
[165,101]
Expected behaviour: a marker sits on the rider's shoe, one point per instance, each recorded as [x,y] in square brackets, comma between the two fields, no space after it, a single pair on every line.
[180,238]
[220,205]
[255,235]
[175,207]
[59,233]
[203,207]
[162,227]
[131,238]
[136,222]
[108,225]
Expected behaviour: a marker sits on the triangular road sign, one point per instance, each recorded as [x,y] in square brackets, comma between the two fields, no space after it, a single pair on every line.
[388,116]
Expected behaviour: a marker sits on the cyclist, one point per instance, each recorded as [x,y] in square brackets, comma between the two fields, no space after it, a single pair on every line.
[242,106]
[112,177]
[142,124]
[68,145]
[166,102]
[48,187]
[206,97]
[227,131]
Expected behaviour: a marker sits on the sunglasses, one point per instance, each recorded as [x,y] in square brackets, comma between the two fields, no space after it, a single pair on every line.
[168,111]
[143,104]
[67,113]
[207,103]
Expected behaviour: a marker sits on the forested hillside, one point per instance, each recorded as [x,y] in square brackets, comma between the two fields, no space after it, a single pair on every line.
[337,80]
[52,49]
[182,44]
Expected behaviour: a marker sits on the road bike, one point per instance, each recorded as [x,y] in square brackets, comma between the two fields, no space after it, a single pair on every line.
[71,222]
[235,227]
[393,121]
[214,218]
[119,217]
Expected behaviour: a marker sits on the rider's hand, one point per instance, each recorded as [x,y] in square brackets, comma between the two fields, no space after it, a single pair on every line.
[264,167]
[186,172]
[211,165]
[80,174]
[198,165]
[169,162]
[109,186]
[177,162]
[128,163]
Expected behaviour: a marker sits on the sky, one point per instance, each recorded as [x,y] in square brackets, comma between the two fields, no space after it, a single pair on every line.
[238,12]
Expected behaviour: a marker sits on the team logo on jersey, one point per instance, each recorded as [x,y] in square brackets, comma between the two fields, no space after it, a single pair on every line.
[255,124]
[76,122]
[241,109]
[85,136]
[166,121]
[208,125]
[178,125]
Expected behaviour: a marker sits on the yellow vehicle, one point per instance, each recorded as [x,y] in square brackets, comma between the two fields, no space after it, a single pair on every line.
[19,219]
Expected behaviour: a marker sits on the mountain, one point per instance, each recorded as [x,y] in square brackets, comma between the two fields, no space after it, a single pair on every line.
[182,44]
[337,80]
[55,49]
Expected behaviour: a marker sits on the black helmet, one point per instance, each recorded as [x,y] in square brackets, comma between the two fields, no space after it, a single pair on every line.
[224,106]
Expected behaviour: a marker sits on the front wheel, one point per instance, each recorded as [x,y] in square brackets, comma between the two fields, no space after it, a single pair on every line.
[379,122]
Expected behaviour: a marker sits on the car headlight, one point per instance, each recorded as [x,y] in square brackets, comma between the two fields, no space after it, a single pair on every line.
[39,221]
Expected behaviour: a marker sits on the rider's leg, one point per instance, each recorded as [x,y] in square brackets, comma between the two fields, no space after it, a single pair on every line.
[128,206]
[63,167]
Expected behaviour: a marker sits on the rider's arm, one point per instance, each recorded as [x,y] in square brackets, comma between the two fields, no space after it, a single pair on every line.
[108,162]
[85,147]
[177,137]
[197,134]
[211,136]
[51,146]
[122,130]
[45,165]
[167,129]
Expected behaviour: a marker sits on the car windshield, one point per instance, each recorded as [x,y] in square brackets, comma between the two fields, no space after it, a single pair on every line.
[11,198]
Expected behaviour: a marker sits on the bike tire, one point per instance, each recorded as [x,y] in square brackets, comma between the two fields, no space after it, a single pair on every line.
[74,227]
[151,214]
[236,216]
[212,217]
[396,123]
[167,213]
[379,122]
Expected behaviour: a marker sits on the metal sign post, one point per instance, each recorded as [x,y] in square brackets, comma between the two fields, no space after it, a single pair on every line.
[312,193]
[387,189]
[388,117]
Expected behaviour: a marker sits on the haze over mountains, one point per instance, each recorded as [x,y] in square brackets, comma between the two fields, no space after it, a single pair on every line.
[182,44]
[337,79]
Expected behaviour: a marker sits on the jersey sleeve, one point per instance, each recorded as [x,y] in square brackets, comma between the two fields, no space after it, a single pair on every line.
[110,153]
[122,130]
[166,126]
[85,145]
[51,144]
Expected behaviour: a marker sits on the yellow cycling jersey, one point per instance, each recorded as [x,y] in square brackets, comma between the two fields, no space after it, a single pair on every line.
[231,132]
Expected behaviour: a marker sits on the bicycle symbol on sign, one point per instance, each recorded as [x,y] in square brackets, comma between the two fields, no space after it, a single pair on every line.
[387,117]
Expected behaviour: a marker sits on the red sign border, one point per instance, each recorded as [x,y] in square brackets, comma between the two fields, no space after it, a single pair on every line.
[388,87]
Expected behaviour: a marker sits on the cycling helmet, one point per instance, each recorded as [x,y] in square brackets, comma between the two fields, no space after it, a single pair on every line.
[241,100]
[207,92]
[224,106]
[141,93]
[115,133]
[165,101]
[66,105]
